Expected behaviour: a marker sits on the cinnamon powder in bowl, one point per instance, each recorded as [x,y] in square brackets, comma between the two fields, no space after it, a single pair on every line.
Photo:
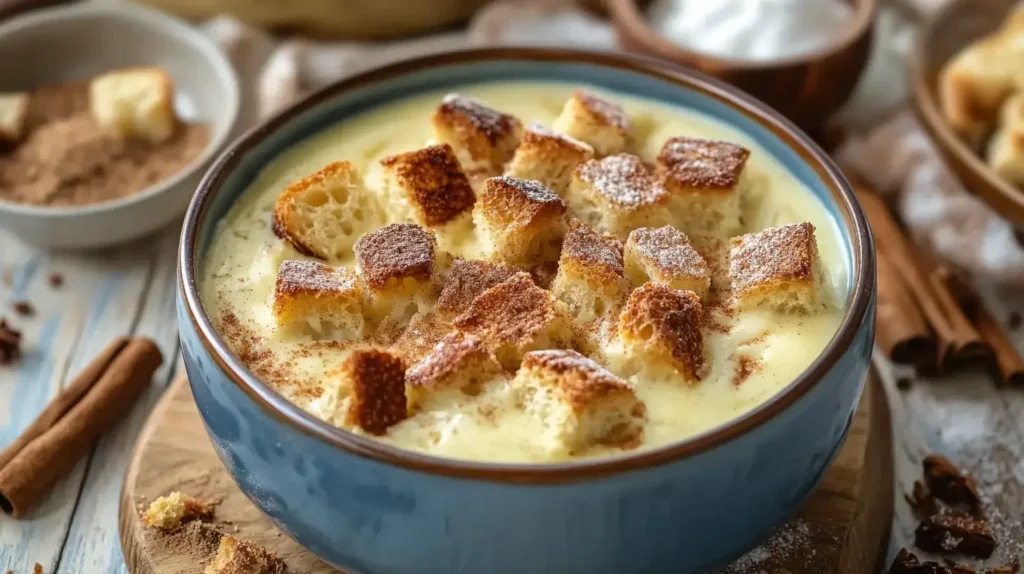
[67,159]
[66,184]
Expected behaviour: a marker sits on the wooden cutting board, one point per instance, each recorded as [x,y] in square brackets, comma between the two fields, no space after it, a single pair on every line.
[844,528]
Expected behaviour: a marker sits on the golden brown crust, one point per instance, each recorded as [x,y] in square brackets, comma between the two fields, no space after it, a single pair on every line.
[694,164]
[488,136]
[513,312]
[433,182]
[669,251]
[579,379]
[671,319]
[601,111]
[550,143]
[285,204]
[622,180]
[377,399]
[771,257]
[452,356]
[296,278]
[590,254]
[467,280]
[519,203]
[398,251]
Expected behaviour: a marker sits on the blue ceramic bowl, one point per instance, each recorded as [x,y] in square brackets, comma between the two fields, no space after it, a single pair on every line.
[367,507]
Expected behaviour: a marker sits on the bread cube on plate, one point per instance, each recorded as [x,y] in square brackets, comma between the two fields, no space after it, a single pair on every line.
[522,220]
[1006,148]
[323,214]
[313,297]
[601,124]
[666,256]
[590,279]
[169,512]
[135,102]
[705,182]
[459,362]
[466,280]
[515,317]
[548,157]
[483,138]
[660,330]
[616,194]
[581,403]
[777,268]
[427,186]
[236,556]
[13,111]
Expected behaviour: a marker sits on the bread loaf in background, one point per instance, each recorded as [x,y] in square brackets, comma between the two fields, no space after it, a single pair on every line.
[347,19]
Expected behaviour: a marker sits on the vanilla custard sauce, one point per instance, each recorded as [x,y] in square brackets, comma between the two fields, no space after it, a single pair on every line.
[239,273]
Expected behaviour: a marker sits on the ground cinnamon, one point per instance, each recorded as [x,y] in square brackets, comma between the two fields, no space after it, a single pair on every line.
[65,158]
[51,446]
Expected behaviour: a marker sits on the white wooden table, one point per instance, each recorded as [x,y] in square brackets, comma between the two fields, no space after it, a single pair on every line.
[131,290]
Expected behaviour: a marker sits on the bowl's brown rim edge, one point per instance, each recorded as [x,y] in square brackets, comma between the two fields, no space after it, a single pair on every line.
[279,407]
[629,20]
[996,192]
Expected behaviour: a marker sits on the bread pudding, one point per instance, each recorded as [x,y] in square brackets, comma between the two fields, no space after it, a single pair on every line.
[526,272]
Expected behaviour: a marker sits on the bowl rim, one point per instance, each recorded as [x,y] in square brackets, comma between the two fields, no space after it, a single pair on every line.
[277,406]
[630,21]
[995,191]
[178,31]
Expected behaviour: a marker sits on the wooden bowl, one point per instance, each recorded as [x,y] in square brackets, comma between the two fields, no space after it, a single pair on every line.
[952,28]
[807,89]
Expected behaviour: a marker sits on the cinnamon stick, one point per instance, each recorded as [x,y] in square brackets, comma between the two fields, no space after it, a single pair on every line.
[900,329]
[889,241]
[1007,361]
[968,344]
[51,446]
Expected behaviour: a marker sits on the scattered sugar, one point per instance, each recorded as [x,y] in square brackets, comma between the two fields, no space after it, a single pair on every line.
[789,542]
[623,179]
[611,113]
[490,121]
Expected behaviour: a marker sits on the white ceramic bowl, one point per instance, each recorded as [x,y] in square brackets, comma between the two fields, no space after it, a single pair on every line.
[76,42]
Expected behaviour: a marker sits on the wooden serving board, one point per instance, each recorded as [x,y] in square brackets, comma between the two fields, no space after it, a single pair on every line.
[843,529]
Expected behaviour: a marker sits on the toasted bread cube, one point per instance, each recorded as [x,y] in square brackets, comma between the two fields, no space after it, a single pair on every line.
[666,256]
[427,186]
[13,111]
[368,393]
[777,268]
[616,194]
[398,263]
[458,363]
[590,278]
[705,180]
[135,102]
[974,83]
[313,297]
[521,219]
[171,511]
[515,317]
[236,556]
[466,281]
[323,214]
[1006,148]
[601,124]
[548,157]
[483,138]
[660,329]
[581,403]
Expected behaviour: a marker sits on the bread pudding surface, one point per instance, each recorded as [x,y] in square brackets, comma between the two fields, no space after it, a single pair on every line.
[439,277]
